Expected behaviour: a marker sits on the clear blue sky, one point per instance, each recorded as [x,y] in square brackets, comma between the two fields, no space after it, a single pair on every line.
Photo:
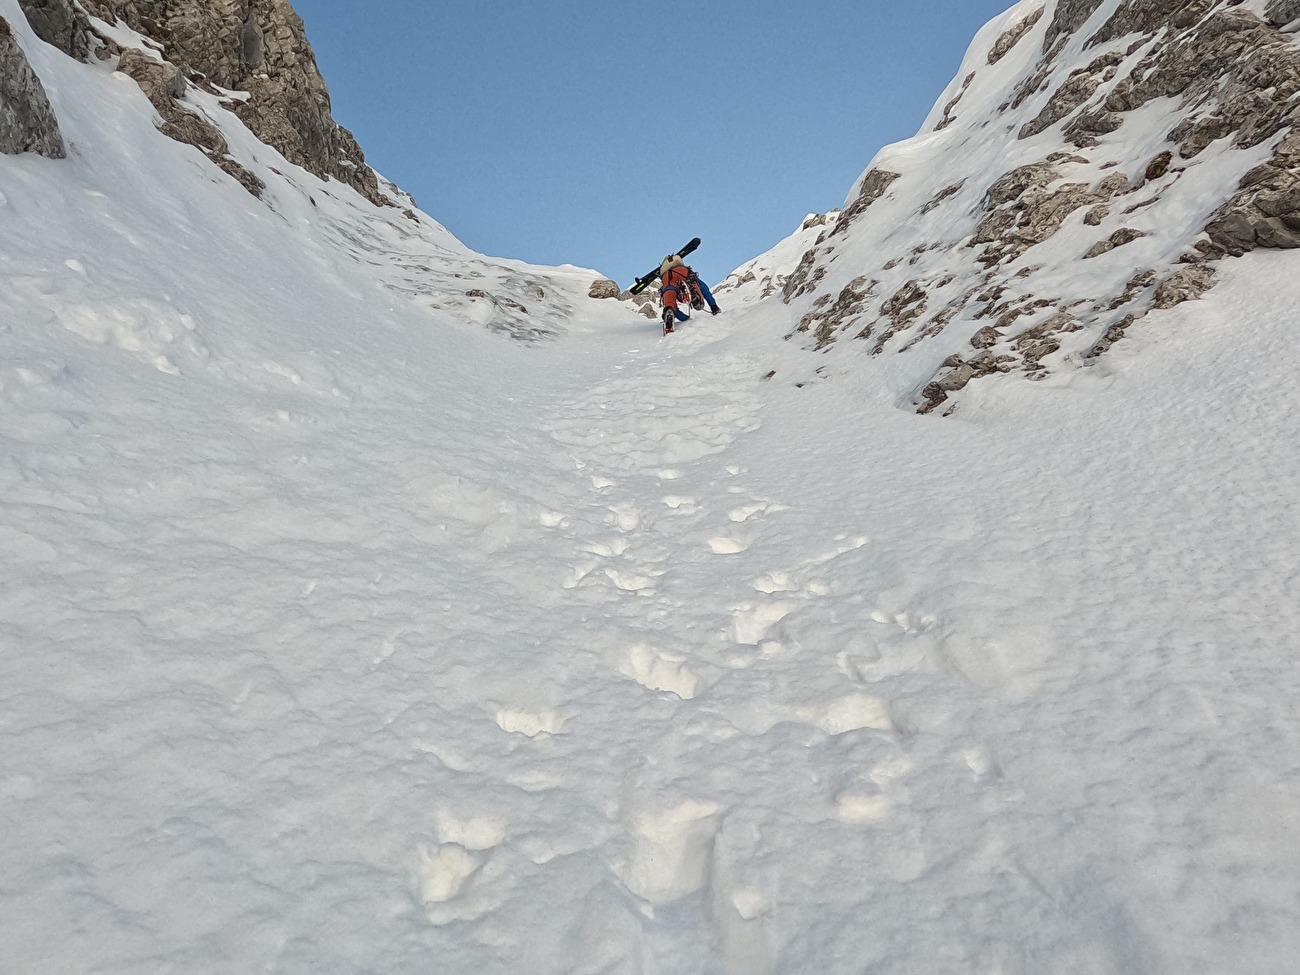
[607,134]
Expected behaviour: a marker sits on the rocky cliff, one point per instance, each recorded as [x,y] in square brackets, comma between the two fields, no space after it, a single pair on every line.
[252,53]
[60,23]
[1093,162]
[27,122]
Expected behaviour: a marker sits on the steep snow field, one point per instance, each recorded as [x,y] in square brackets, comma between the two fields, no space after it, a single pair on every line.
[340,633]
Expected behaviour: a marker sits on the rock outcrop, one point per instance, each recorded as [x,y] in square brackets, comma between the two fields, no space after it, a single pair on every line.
[259,47]
[1283,13]
[164,85]
[27,122]
[60,23]
[1014,35]
[988,273]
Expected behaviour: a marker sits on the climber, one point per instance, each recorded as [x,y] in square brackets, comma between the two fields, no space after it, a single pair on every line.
[677,280]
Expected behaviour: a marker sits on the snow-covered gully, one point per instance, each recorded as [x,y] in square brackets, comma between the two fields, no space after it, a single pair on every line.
[582,665]
[340,632]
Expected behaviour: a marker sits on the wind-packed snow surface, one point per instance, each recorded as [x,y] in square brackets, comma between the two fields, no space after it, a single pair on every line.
[341,634]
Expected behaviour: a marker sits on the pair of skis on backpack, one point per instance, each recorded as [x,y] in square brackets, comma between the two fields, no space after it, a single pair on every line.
[645,281]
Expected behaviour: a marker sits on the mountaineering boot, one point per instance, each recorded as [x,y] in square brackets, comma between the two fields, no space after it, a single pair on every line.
[697,296]
[714,309]
[668,320]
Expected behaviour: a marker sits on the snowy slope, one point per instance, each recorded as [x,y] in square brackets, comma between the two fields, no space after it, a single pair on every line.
[1092,160]
[132,200]
[340,634]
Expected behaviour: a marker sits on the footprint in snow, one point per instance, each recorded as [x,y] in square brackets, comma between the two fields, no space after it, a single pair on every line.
[672,850]
[857,807]
[626,517]
[747,511]
[532,724]
[753,623]
[474,833]
[776,581]
[443,871]
[728,546]
[660,671]
[630,581]
[608,550]
[877,797]
[853,713]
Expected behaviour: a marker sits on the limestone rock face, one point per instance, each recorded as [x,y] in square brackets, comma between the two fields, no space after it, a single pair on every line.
[261,47]
[1058,198]
[1146,16]
[160,81]
[1024,208]
[1013,36]
[1186,284]
[1266,210]
[1280,13]
[61,23]
[604,288]
[27,122]
[874,186]
[1069,17]
[1078,88]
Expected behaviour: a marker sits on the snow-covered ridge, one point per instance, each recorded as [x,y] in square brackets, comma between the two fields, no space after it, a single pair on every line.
[1092,161]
